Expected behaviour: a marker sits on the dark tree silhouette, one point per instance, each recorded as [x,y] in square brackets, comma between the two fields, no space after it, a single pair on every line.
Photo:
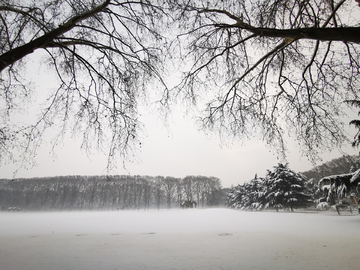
[274,66]
[263,67]
[103,55]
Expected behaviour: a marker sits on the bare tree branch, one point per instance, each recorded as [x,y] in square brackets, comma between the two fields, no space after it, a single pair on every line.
[18,53]
[104,56]
[293,72]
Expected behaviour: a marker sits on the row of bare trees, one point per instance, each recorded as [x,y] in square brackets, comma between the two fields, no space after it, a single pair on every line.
[106,193]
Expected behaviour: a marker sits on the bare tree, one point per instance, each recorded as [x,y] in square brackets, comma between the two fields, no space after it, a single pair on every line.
[158,193]
[188,185]
[267,67]
[103,55]
[169,185]
[263,66]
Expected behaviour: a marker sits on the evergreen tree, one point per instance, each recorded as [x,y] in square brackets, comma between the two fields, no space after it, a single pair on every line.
[254,194]
[237,196]
[286,189]
[280,189]
[337,188]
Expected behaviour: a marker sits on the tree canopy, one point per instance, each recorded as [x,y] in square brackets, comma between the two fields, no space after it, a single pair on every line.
[276,66]
[103,55]
[259,67]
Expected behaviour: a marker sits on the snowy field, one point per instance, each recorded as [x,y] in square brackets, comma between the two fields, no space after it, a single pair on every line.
[180,239]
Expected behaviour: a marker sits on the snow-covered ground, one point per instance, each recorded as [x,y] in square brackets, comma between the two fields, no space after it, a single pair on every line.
[180,239]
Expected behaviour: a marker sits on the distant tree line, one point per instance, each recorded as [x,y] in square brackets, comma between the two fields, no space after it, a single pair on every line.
[108,192]
[334,184]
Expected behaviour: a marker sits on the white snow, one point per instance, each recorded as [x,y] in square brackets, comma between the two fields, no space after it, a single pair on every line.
[356,176]
[179,239]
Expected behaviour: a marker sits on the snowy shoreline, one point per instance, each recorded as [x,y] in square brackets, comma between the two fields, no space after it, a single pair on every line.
[179,239]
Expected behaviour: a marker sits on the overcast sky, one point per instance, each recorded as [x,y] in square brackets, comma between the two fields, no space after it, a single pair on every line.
[178,150]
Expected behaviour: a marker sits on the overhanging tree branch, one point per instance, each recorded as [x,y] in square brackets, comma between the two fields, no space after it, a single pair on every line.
[18,53]
[346,34]
[299,63]
[103,55]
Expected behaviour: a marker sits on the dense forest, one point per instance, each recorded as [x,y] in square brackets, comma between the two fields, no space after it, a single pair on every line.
[108,192]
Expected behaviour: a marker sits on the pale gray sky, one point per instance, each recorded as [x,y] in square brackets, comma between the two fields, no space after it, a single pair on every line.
[178,150]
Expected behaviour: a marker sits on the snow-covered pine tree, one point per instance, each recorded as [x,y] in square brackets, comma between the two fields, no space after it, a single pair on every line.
[235,197]
[254,190]
[336,188]
[285,188]
[248,196]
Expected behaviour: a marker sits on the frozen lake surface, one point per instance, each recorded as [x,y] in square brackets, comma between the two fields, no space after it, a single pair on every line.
[179,239]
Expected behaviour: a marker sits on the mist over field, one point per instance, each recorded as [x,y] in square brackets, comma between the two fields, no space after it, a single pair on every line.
[179,239]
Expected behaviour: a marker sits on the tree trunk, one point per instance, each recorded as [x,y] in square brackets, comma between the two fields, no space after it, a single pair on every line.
[337,210]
